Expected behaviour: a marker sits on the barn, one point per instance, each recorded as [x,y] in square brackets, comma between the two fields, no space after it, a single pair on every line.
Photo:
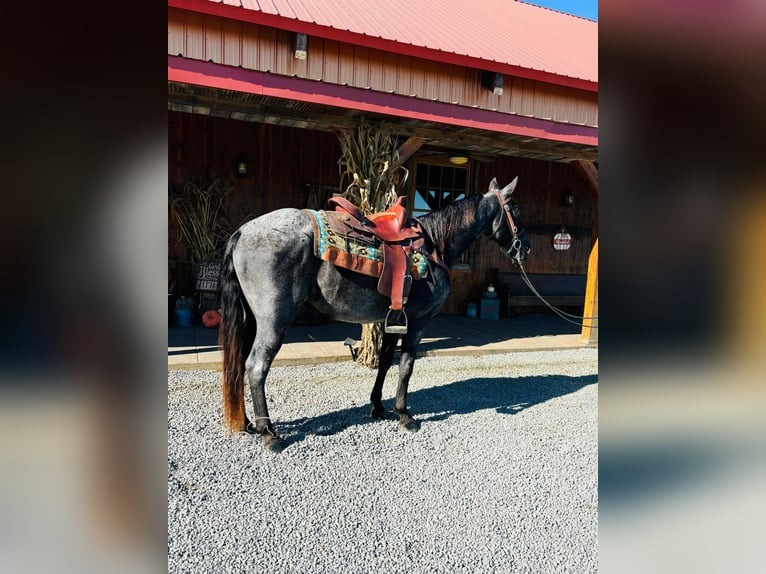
[258,91]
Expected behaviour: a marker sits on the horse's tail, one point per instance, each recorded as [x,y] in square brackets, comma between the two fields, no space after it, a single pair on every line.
[236,337]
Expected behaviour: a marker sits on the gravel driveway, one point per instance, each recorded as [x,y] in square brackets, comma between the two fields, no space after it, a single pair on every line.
[502,476]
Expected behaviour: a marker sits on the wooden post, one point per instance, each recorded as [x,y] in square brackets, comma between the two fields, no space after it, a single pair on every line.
[589,173]
[589,332]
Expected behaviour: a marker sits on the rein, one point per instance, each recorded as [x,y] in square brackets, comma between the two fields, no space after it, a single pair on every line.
[574,319]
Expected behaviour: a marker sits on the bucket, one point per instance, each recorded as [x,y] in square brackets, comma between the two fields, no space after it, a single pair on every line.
[184,317]
[490,309]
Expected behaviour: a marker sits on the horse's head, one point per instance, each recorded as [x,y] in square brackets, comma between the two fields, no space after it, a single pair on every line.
[506,227]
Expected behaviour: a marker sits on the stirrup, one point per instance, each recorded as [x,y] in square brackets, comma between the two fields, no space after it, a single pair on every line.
[395,329]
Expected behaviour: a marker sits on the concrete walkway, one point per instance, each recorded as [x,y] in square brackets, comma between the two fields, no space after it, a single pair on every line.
[196,347]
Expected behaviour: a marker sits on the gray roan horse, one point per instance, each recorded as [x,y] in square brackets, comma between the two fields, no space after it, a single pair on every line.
[270,270]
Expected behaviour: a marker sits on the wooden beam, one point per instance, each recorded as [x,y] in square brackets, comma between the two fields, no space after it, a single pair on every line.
[589,333]
[409,147]
[188,99]
[500,144]
[589,172]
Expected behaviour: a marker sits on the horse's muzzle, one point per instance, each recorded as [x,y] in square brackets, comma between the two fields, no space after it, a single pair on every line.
[519,249]
[525,251]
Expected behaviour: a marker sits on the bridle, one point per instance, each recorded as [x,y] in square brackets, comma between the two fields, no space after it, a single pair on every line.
[505,205]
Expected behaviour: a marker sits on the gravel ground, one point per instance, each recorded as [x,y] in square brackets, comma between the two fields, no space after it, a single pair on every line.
[502,476]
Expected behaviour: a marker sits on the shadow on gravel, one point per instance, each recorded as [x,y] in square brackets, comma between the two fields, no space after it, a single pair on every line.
[505,395]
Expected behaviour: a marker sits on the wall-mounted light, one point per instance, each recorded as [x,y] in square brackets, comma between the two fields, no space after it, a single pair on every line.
[568,199]
[493,81]
[458,159]
[241,166]
[300,46]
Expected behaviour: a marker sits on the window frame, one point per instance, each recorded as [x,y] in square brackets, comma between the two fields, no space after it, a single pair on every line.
[466,261]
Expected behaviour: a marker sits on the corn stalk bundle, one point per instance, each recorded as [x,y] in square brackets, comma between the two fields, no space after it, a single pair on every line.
[202,222]
[370,170]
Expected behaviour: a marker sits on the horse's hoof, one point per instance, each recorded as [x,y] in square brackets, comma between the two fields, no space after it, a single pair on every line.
[378,413]
[275,444]
[410,426]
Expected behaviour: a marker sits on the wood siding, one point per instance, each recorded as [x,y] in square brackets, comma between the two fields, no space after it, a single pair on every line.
[539,194]
[255,47]
[283,160]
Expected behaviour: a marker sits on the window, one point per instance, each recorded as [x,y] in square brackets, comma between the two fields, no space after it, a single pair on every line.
[436,186]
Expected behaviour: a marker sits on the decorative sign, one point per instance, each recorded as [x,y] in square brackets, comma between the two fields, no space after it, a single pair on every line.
[562,240]
[208,275]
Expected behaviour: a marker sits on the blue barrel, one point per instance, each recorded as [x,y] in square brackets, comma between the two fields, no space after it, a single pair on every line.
[490,309]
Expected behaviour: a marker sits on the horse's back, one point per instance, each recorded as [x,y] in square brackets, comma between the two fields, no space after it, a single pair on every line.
[275,261]
[276,248]
[282,231]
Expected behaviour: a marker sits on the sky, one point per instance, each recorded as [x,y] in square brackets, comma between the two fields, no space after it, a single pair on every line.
[584,8]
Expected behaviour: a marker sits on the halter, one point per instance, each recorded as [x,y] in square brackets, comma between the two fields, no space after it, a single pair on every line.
[505,205]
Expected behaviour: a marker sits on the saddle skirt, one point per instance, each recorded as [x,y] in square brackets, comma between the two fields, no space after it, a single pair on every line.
[342,240]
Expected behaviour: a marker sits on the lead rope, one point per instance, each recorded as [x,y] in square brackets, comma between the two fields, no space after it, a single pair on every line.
[517,245]
[559,312]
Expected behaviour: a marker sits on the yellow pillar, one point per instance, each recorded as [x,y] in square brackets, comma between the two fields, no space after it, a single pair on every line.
[589,332]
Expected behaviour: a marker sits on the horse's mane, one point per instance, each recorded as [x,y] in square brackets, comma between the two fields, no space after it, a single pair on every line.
[443,224]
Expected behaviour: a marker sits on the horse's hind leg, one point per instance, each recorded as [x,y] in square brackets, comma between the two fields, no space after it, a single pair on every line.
[268,341]
[277,268]
[385,358]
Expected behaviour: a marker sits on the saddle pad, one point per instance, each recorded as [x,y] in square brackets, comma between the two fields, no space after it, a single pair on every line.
[354,252]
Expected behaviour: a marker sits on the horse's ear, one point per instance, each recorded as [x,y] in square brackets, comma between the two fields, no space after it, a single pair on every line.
[508,189]
[493,185]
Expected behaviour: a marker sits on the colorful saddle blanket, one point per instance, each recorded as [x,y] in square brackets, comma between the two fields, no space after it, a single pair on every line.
[339,240]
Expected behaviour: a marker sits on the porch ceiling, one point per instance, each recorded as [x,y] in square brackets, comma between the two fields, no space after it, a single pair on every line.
[189,98]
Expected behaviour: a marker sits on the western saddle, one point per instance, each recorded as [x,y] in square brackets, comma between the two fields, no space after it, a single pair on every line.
[399,235]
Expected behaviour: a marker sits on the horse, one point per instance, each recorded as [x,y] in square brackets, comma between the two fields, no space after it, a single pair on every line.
[270,270]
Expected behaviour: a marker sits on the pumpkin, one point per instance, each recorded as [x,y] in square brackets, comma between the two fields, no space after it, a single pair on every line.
[211,318]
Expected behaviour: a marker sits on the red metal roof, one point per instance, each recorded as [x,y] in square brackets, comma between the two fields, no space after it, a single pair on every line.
[504,36]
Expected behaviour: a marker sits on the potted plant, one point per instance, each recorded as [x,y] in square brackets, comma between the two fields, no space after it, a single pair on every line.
[204,226]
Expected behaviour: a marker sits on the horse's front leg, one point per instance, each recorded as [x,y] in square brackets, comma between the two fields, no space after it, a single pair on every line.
[410,343]
[385,358]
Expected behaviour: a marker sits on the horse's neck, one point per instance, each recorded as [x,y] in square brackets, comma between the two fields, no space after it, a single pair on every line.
[453,238]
